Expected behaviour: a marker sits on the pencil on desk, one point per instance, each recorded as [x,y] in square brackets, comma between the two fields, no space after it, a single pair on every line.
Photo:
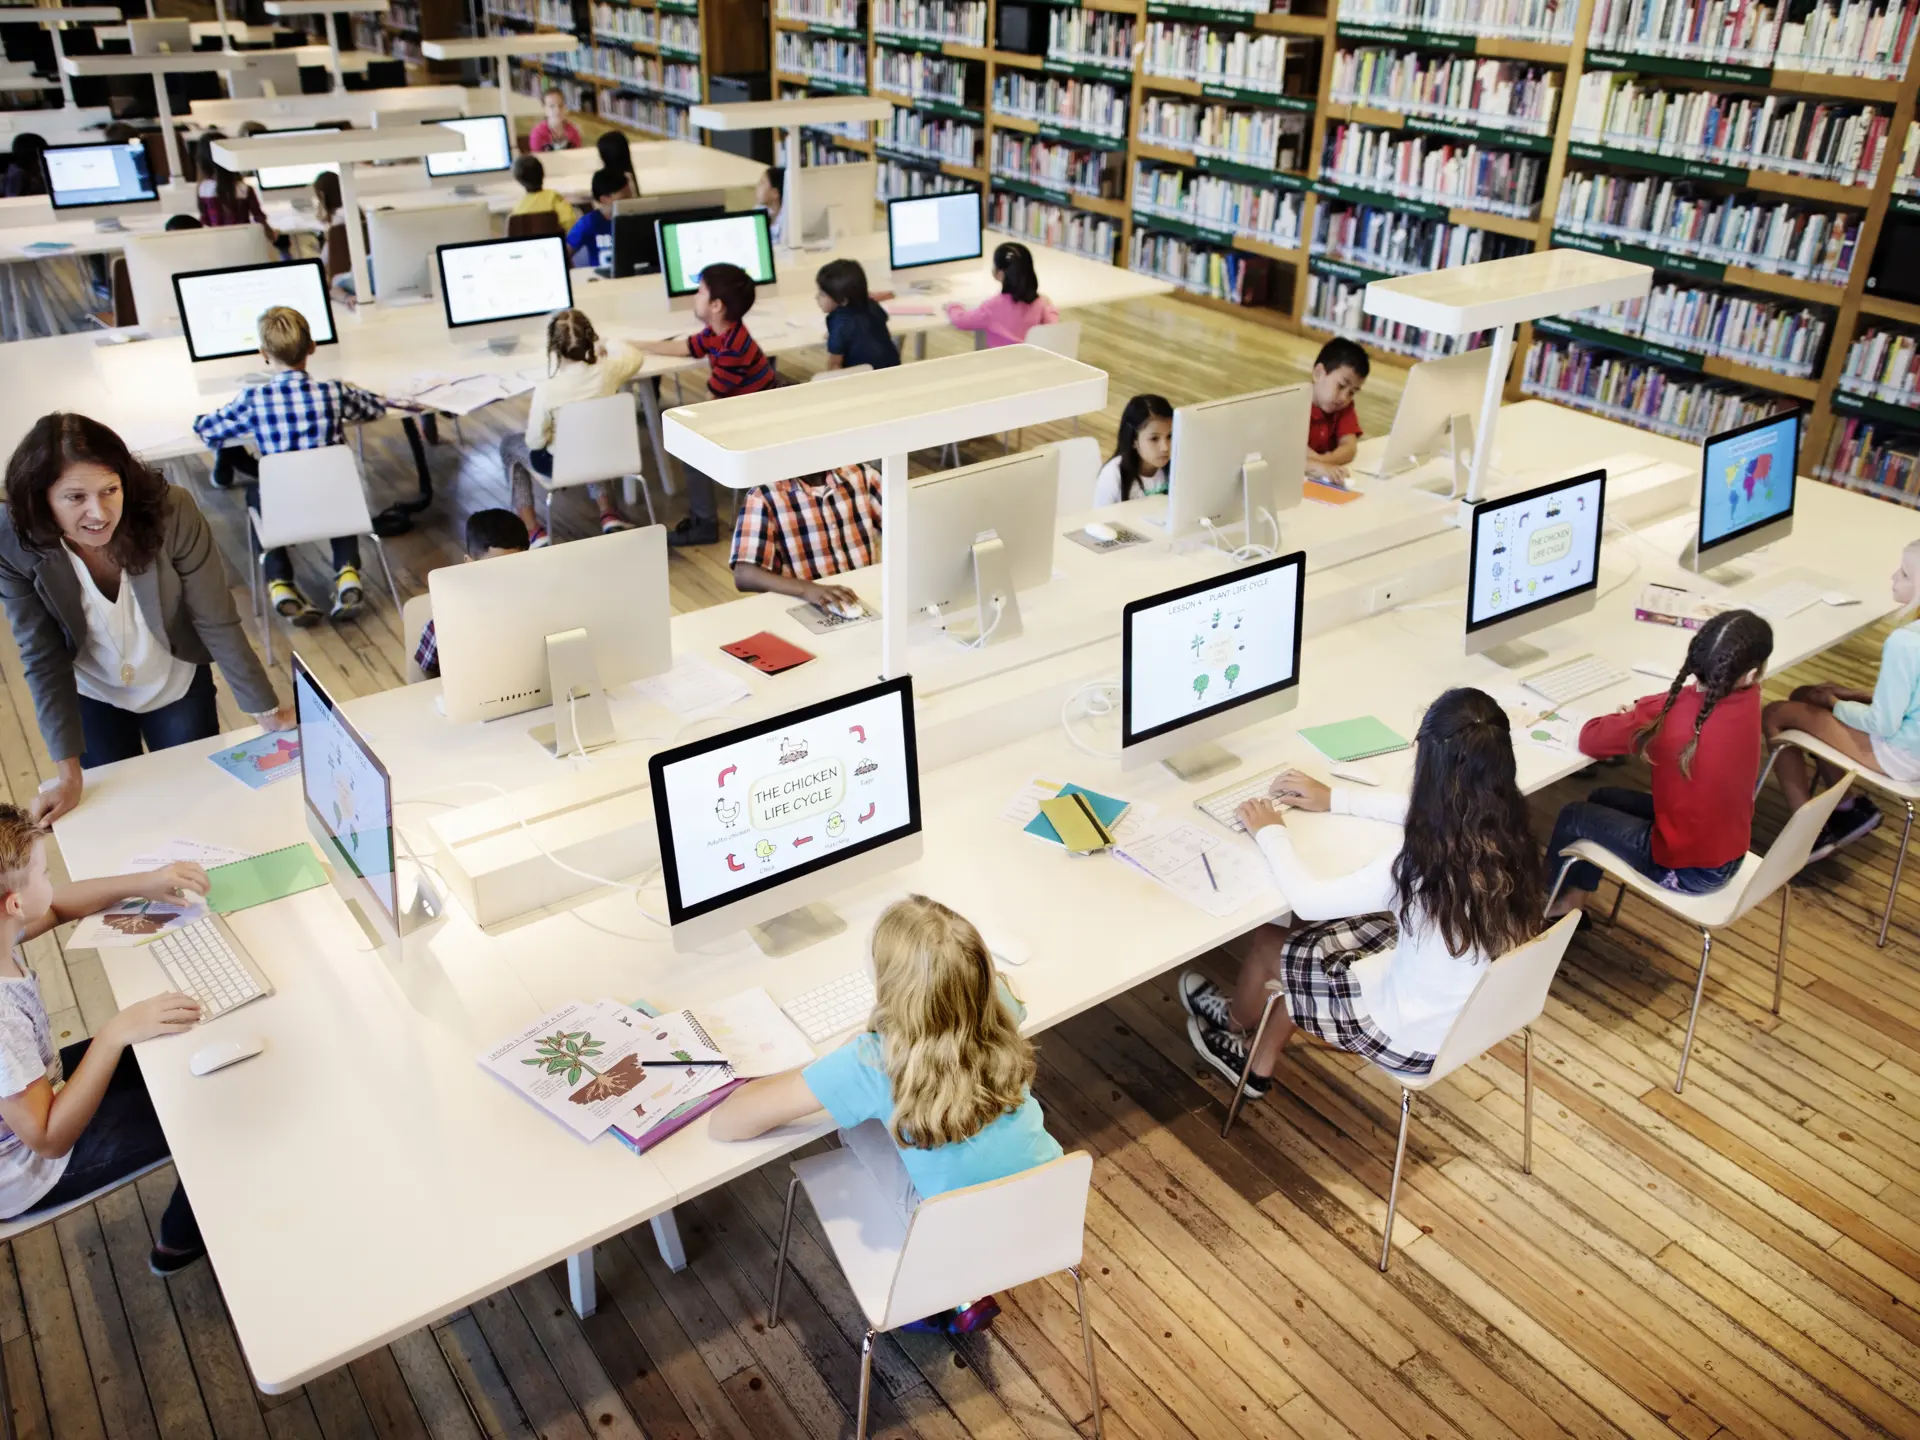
[1209,864]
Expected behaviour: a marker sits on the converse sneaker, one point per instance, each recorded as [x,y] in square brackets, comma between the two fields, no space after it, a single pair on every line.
[538,539]
[612,524]
[1226,1051]
[1204,1000]
[1855,820]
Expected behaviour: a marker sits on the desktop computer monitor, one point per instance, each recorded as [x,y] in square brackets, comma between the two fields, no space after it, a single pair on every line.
[1213,486]
[1534,560]
[387,119]
[1747,482]
[934,229]
[688,246]
[295,177]
[105,181]
[503,283]
[154,259]
[774,816]
[636,236]
[1437,409]
[159,37]
[1207,659]
[489,149]
[267,77]
[220,309]
[831,202]
[401,242]
[981,534]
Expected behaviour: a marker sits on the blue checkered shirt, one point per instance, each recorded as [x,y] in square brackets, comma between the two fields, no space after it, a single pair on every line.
[292,411]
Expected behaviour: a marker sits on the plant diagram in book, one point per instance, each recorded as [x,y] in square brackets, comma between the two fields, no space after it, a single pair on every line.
[572,1053]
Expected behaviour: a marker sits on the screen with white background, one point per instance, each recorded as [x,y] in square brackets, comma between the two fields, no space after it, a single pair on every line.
[1199,651]
[487,148]
[294,177]
[688,246]
[748,813]
[504,279]
[935,228]
[1749,479]
[347,790]
[98,175]
[220,310]
[1534,548]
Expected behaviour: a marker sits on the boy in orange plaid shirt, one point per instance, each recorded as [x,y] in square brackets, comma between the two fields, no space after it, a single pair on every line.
[791,536]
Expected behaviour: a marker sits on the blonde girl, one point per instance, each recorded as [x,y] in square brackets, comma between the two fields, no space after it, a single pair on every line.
[580,366]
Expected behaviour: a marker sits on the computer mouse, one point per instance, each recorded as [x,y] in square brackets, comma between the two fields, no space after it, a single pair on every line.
[222,1053]
[855,611]
[1103,532]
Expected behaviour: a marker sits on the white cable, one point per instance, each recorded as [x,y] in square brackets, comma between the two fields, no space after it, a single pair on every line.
[1099,687]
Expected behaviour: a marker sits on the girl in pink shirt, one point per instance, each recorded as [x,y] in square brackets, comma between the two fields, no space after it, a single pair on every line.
[1007,317]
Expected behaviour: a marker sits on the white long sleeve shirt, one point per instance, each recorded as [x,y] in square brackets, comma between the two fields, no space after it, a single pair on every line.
[1413,992]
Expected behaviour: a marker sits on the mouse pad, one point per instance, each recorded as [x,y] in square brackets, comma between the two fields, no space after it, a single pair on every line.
[820,622]
[1127,538]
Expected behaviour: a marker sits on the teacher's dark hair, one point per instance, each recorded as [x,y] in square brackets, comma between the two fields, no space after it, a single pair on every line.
[63,439]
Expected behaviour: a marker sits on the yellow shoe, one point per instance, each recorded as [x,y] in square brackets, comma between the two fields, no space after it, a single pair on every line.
[346,593]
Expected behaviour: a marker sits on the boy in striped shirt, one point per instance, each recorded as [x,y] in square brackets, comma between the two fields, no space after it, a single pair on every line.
[738,366]
[795,534]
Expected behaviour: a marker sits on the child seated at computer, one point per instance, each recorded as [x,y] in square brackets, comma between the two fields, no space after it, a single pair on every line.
[793,536]
[1701,740]
[736,365]
[490,534]
[857,332]
[539,200]
[1006,318]
[581,366]
[1333,425]
[553,131]
[1142,453]
[1878,729]
[75,1118]
[939,1094]
[225,198]
[590,238]
[770,193]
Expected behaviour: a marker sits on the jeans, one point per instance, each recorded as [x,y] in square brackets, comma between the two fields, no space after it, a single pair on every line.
[124,1136]
[1622,821]
[114,734]
[278,564]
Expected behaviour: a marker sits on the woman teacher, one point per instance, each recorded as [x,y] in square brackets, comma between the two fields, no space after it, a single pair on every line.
[119,605]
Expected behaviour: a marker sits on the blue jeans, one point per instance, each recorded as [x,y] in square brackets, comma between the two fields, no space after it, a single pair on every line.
[1622,821]
[114,734]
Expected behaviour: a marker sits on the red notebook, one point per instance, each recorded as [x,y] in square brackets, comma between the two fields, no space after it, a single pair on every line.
[768,653]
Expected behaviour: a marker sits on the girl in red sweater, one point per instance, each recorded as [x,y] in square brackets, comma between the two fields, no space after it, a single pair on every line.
[1702,741]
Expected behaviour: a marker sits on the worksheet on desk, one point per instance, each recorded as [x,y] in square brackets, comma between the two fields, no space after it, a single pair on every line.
[1217,874]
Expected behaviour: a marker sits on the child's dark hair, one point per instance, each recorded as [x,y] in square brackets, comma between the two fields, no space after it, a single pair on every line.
[531,174]
[731,286]
[615,153]
[571,336]
[777,178]
[1340,353]
[326,194]
[495,530]
[844,283]
[606,181]
[1015,264]
[1126,448]
[1722,650]
[183,222]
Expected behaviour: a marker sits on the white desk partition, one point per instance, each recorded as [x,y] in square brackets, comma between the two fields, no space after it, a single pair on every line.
[159,67]
[499,48]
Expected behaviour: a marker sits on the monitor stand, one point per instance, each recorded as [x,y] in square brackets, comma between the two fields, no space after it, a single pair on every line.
[797,929]
[583,722]
[1201,762]
[1727,573]
[1516,655]
[992,591]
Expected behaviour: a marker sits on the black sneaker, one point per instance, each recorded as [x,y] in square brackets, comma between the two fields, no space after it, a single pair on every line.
[1204,1000]
[1226,1051]
[694,532]
[171,1262]
[1843,827]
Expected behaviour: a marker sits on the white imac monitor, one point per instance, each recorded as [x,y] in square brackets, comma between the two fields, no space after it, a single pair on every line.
[220,311]
[687,247]
[295,177]
[934,229]
[99,182]
[160,37]
[1534,561]
[268,76]
[1747,482]
[489,151]
[761,823]
[978,536]
[1235,459]
[492,288]
[832,202]
[401,244]
[1436,413]
[1207,659]
[153,260]
[568,620]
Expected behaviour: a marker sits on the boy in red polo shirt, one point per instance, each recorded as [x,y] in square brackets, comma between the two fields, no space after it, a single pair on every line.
[1333,427]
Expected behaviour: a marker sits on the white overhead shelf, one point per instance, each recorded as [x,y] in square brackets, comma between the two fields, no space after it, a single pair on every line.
[47,15]
[186,63]
[400,142]
[493,47]
[325,7]
[763,114]
[1466,298]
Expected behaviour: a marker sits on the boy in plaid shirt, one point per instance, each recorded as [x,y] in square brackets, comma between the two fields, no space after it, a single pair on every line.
[293,411]
[791,536]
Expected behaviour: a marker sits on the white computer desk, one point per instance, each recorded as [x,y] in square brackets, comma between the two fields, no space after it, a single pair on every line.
[664,167]
[367,1166]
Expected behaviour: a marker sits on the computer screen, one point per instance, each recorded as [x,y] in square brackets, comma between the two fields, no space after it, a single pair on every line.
[220,310]
[488,148]
[932,229]
[785,797]
[1748,477]
[295,177]
[688,246]
[636,237]
[485,280]
[1535,548]
[82,175]
[347,789]
[1210,646]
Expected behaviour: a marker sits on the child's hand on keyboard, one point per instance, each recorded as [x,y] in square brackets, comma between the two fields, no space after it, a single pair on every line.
[1257,815]
[1300,790]
[174,882]
[169,1014]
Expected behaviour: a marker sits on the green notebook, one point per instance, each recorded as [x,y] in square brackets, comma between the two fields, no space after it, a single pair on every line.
[1355,739]
[260,878]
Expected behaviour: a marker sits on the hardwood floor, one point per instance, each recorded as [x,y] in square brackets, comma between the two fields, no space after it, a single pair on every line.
[1736,1263]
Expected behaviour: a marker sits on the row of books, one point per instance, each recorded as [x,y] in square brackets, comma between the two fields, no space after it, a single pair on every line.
[1829,139]
[1907,181]
[962,21]
[1272,139]
[843,13]
[676,79]
[1064,167]
[1095,236]
[556,14]
[1244,59]
[908,72]
[680,32]
[1435,170]
[933,136]
[1639,392]
[1883,363]
[1257,211]
[1403,244]
[1334,305]
[1091,37]
[1867,455]
[1196,268]
[655,117]
[626,22]
[1784,336]
[1871,38]
[1784,237]
[1508,93]
[1546,21]
[1089,105]
[819,58]
[897,182]
[819,149]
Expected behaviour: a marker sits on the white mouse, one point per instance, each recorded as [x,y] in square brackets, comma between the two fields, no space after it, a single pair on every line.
[855,611]
[1100,530]
[222,1053]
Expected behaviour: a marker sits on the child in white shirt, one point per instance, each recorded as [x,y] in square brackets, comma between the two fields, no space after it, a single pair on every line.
[1142,454]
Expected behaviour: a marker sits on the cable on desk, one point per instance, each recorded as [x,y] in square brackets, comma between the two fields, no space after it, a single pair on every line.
[1099,705]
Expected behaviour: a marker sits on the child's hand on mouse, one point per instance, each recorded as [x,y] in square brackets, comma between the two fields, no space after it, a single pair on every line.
[169,1014]
[1332,474]
[175,881]
[1257,815]
[828,596]
[1302,791]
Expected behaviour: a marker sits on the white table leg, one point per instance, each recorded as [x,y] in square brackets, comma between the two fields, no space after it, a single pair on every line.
[666,1234]
[650,406]
[580,1283]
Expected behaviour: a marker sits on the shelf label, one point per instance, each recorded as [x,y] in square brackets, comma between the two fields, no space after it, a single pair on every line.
[1341,270]
[1032,189]
[1193,229]
[1625,344]
[1204,14]
[1050,130]
[1844,402]
[1725,71]
[1245,170]
[1299,104]
[1393,35]
[1088,70]
[910,42]
[1333,190]
[1479,134]
[1659,259]
[1663,164]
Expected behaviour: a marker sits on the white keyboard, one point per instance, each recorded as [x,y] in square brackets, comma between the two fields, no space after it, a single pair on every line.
[1785,600]
[833,1008]
[1224,805]
[1581,676]
[201,962]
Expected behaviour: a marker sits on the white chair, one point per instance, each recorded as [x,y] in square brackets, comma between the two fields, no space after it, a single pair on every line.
[956,1247]
[840,374]
[414,616]
[594,441]
[1079,473]
[1757,878]
[308,496]
[1060,338]
[1906,792]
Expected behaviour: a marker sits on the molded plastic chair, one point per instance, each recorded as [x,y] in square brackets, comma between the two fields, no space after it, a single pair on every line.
[526,227]
[1906,792]
[1757,878]
[955,1248]
[308,496]
[414,616]
[593,441]
[1079,473]
[1061,338]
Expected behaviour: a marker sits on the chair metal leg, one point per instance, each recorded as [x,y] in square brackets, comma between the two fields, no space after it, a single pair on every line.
[1393,1187]
[263,602]
[1526,1131]
[392,588]
[1893,889]
[1780,950]
[780,1260]
[1240,1090]
[1560,880]
[866,1386]
[1693,1016]
[1086,1340]
[1618,896]
[1767,769]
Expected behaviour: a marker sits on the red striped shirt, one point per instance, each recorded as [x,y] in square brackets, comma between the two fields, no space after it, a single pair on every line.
[739,366]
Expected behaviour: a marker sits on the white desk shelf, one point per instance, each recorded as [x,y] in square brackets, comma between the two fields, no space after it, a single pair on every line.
[74,14]
[766,114]
[325,7]
[192,62]
[498,48]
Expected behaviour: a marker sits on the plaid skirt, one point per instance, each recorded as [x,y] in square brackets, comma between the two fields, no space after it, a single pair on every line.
[1323,997]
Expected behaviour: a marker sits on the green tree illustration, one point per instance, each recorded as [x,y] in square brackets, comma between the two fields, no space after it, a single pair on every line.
[567,1052]
[1200,685]
[1233,674]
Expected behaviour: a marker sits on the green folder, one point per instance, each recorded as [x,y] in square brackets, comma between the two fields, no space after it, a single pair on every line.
[1355,739]
[261,878]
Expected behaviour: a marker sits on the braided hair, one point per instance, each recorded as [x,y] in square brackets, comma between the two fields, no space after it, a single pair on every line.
[571,336]
[1729,646]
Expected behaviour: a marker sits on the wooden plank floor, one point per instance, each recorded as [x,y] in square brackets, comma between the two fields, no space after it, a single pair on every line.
[1743,1261]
